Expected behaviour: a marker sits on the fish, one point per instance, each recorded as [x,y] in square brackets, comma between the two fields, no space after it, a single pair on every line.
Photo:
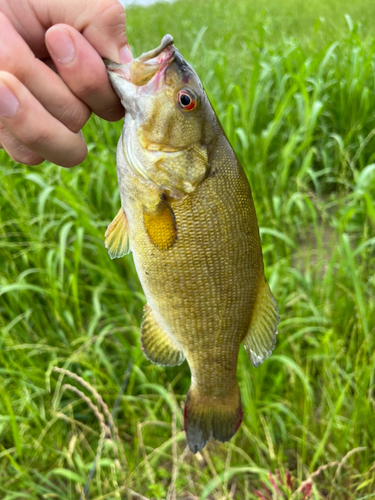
[188,217]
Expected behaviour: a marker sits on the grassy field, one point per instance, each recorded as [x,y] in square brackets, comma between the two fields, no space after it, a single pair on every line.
[294,87]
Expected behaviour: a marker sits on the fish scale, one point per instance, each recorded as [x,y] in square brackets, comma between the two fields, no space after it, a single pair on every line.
[190,220]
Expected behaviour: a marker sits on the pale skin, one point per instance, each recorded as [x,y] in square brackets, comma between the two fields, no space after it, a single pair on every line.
[52,75]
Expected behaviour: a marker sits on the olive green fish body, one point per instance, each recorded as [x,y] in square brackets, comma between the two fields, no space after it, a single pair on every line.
[202,290]
[192,228]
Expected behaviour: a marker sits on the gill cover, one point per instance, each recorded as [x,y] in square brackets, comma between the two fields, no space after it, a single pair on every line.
[162,137]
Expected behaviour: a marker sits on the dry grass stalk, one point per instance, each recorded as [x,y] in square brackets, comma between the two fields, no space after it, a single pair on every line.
[309,480]
[90,404]
[232,491]
[137,495]
[177,466]
[171,495]
[144,454]
[342,462]
[113,428]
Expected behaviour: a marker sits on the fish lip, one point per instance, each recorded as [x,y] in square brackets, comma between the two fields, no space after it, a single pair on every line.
[147,67]
[166,41]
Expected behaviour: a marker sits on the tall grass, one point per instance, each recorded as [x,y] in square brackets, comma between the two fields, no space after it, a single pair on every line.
[297,106]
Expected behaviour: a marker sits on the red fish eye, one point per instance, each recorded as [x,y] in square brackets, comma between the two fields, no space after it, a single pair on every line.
[186,101]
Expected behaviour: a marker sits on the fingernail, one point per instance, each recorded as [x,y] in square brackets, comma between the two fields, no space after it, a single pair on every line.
[60,45]
[125,54]
[8,102]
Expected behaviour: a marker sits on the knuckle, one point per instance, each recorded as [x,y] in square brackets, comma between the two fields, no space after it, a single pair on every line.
[33,139]
[88,87]
[114,16]
[75,116]
[32,159]
[26,157]
[114,11]
[16,150]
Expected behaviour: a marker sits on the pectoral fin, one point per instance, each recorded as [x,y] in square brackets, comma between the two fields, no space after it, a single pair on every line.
[156,344]
[117,237]
[261,336]
[160,225]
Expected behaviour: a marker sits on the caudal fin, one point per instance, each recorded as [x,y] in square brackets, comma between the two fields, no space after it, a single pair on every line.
[207,416]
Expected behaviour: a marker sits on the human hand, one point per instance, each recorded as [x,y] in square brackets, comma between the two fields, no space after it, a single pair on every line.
[42,112]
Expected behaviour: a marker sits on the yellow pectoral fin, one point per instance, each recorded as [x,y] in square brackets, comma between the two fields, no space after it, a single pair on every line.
[160,225]
[261,336]
[117,237]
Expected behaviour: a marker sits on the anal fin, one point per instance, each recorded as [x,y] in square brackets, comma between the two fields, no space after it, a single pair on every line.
[261,336]
[156,344]
[117,236]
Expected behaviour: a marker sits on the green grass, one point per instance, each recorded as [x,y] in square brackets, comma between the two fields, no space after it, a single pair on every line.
[295,93]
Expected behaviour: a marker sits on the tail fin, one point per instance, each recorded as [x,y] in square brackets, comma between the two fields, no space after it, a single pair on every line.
[207,416]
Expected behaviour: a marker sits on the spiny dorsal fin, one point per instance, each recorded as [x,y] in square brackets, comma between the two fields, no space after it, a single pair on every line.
[117,237]
[160,225]
[261,336]
[157,345]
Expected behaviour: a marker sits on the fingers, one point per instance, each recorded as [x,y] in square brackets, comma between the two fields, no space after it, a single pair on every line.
[28,125]
[51,108]
[83,71]
[47,87]
[101,22]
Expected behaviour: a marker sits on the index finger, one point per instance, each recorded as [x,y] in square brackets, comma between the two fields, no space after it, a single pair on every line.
[84,72]
[101,22]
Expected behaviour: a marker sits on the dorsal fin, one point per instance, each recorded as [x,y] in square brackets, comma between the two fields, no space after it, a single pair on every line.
[117,237]
[160,225]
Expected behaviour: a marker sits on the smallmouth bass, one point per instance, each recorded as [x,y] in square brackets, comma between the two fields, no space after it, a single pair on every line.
[188,216]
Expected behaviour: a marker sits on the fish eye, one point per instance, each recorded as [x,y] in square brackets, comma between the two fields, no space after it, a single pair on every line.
[186,100]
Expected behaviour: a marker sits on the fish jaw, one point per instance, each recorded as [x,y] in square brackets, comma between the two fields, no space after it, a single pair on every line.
[142,77]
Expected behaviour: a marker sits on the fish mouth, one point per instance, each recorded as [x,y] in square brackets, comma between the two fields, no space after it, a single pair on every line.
[147,70]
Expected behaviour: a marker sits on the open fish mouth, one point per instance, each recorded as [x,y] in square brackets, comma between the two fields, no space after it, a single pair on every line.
[148,69]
